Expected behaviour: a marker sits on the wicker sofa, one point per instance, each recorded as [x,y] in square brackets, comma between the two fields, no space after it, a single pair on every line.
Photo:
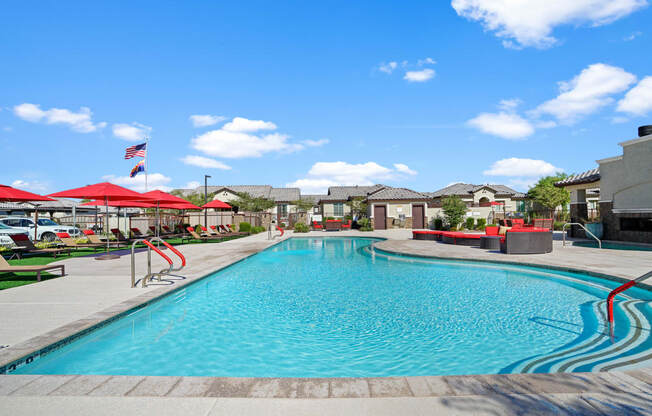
[527,241]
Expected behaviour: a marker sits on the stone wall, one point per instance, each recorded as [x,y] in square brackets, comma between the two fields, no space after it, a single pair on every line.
[611,223]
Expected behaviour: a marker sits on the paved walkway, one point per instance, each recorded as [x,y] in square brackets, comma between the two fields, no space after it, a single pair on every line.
[37,315]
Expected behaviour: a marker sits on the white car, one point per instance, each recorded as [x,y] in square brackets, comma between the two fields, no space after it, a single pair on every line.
[5,232]
[45,231]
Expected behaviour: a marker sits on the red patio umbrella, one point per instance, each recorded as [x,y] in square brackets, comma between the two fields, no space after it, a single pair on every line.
[106,192]
[216,203]
[161,198]
[9,194]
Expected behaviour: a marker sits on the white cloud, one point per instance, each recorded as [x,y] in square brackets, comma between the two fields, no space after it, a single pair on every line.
[131,132]
[316,143]
[510,105]
[388,68]
[426,61]
[313,185]
[506,125]
[204,162]
[531,23]
[241,125]
[521,167]
[203,120]
[235,140]
[32,186]
[419,76]
[403,168]
[632,36]
[638,100]
[587,92]
[324,174]
[80,122]
[192,185]
[137,183]
[522,184]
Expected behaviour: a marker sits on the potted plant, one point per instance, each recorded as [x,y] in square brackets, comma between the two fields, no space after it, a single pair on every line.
[595,227]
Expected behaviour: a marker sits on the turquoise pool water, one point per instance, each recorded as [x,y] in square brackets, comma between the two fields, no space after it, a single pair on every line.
[613,246]
[327,307]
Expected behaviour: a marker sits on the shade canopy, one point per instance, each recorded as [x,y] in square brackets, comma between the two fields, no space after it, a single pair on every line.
[497,203]
[104,191]
[163,197]
[121,204]
[179,205]
[216,203]
[9,194]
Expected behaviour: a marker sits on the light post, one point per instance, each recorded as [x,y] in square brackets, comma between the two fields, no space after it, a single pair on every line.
[206,200]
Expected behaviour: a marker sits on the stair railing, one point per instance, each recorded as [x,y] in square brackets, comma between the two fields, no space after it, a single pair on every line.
[563,229]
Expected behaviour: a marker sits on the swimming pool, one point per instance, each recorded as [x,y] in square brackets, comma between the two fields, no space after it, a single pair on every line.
[331,307]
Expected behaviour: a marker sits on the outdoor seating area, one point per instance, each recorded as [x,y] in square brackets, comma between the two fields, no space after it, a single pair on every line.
[511,236]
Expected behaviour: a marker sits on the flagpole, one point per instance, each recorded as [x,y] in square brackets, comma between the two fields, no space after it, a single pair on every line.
[146,160]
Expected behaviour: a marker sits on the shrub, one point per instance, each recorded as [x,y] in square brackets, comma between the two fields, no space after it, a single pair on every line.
[282,225]
[438,223]
[470,222]
[481,224]
[198,229]
[301,228]
[365,224]
[257,229]
[558,225]
[244,227]
[330,218]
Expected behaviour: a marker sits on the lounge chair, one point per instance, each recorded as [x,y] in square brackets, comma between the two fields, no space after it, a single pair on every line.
[195,236]
[8,268]
[72,243]
[317,226]
[347,225]
[95,239]
[137,233]
[27,247]
[120,237]
[209,232]
[333,225]
[231,231]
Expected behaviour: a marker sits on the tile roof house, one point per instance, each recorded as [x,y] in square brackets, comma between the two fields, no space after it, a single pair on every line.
[584,191]
[391,207]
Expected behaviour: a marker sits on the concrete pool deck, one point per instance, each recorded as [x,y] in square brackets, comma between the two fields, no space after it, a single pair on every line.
[37,315]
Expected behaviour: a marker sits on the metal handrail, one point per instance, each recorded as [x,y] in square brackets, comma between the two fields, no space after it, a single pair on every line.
[174,250]
[151,247]
[620,289]
[563,229]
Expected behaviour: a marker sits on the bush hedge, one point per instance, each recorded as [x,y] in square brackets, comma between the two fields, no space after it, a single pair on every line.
[481,224]
[469,223]
[301,228]
[244,227]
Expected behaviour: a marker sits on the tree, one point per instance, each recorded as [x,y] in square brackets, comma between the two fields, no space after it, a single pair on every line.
[248,203]
[358,207]
[454,210]
[547,195]
[302,205]
[196,198]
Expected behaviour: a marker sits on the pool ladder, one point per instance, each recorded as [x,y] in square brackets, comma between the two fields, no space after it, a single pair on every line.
[563,230]
[165,272]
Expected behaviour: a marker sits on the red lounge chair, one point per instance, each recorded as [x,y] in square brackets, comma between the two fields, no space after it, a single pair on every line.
[317,226]
[347,225]
[136,232]
[458,238]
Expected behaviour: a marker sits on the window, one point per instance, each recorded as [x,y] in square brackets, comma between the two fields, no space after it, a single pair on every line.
[46,222]
[338,209]
[283,210]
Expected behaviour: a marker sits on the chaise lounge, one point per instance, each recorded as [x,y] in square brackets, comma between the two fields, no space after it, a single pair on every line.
[8,268]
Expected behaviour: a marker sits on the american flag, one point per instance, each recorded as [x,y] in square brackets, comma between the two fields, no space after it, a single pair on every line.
[137,150]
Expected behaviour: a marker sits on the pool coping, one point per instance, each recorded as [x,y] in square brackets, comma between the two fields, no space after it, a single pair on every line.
[552,267]
[262,387]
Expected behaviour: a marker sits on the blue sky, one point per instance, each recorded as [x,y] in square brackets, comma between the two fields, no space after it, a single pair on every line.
[418,94]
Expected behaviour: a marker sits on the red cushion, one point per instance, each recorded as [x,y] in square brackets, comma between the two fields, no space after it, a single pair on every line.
[88,232]
[491,230]
[427,232]
[528,230]
[63,235]
[190,229]
[203,228]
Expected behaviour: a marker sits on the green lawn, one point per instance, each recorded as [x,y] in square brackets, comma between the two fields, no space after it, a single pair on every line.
[9,280]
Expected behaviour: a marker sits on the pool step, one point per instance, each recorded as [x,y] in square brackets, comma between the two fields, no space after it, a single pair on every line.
[598,352]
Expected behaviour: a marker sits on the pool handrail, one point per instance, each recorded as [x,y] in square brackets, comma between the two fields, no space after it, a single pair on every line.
[174,250]
[150,247]
[620,289]
[563,230]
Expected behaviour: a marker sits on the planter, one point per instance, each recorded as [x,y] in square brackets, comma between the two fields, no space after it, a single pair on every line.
[596,228]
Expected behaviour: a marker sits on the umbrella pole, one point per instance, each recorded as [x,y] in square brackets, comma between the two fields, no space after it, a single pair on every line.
[107,256]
